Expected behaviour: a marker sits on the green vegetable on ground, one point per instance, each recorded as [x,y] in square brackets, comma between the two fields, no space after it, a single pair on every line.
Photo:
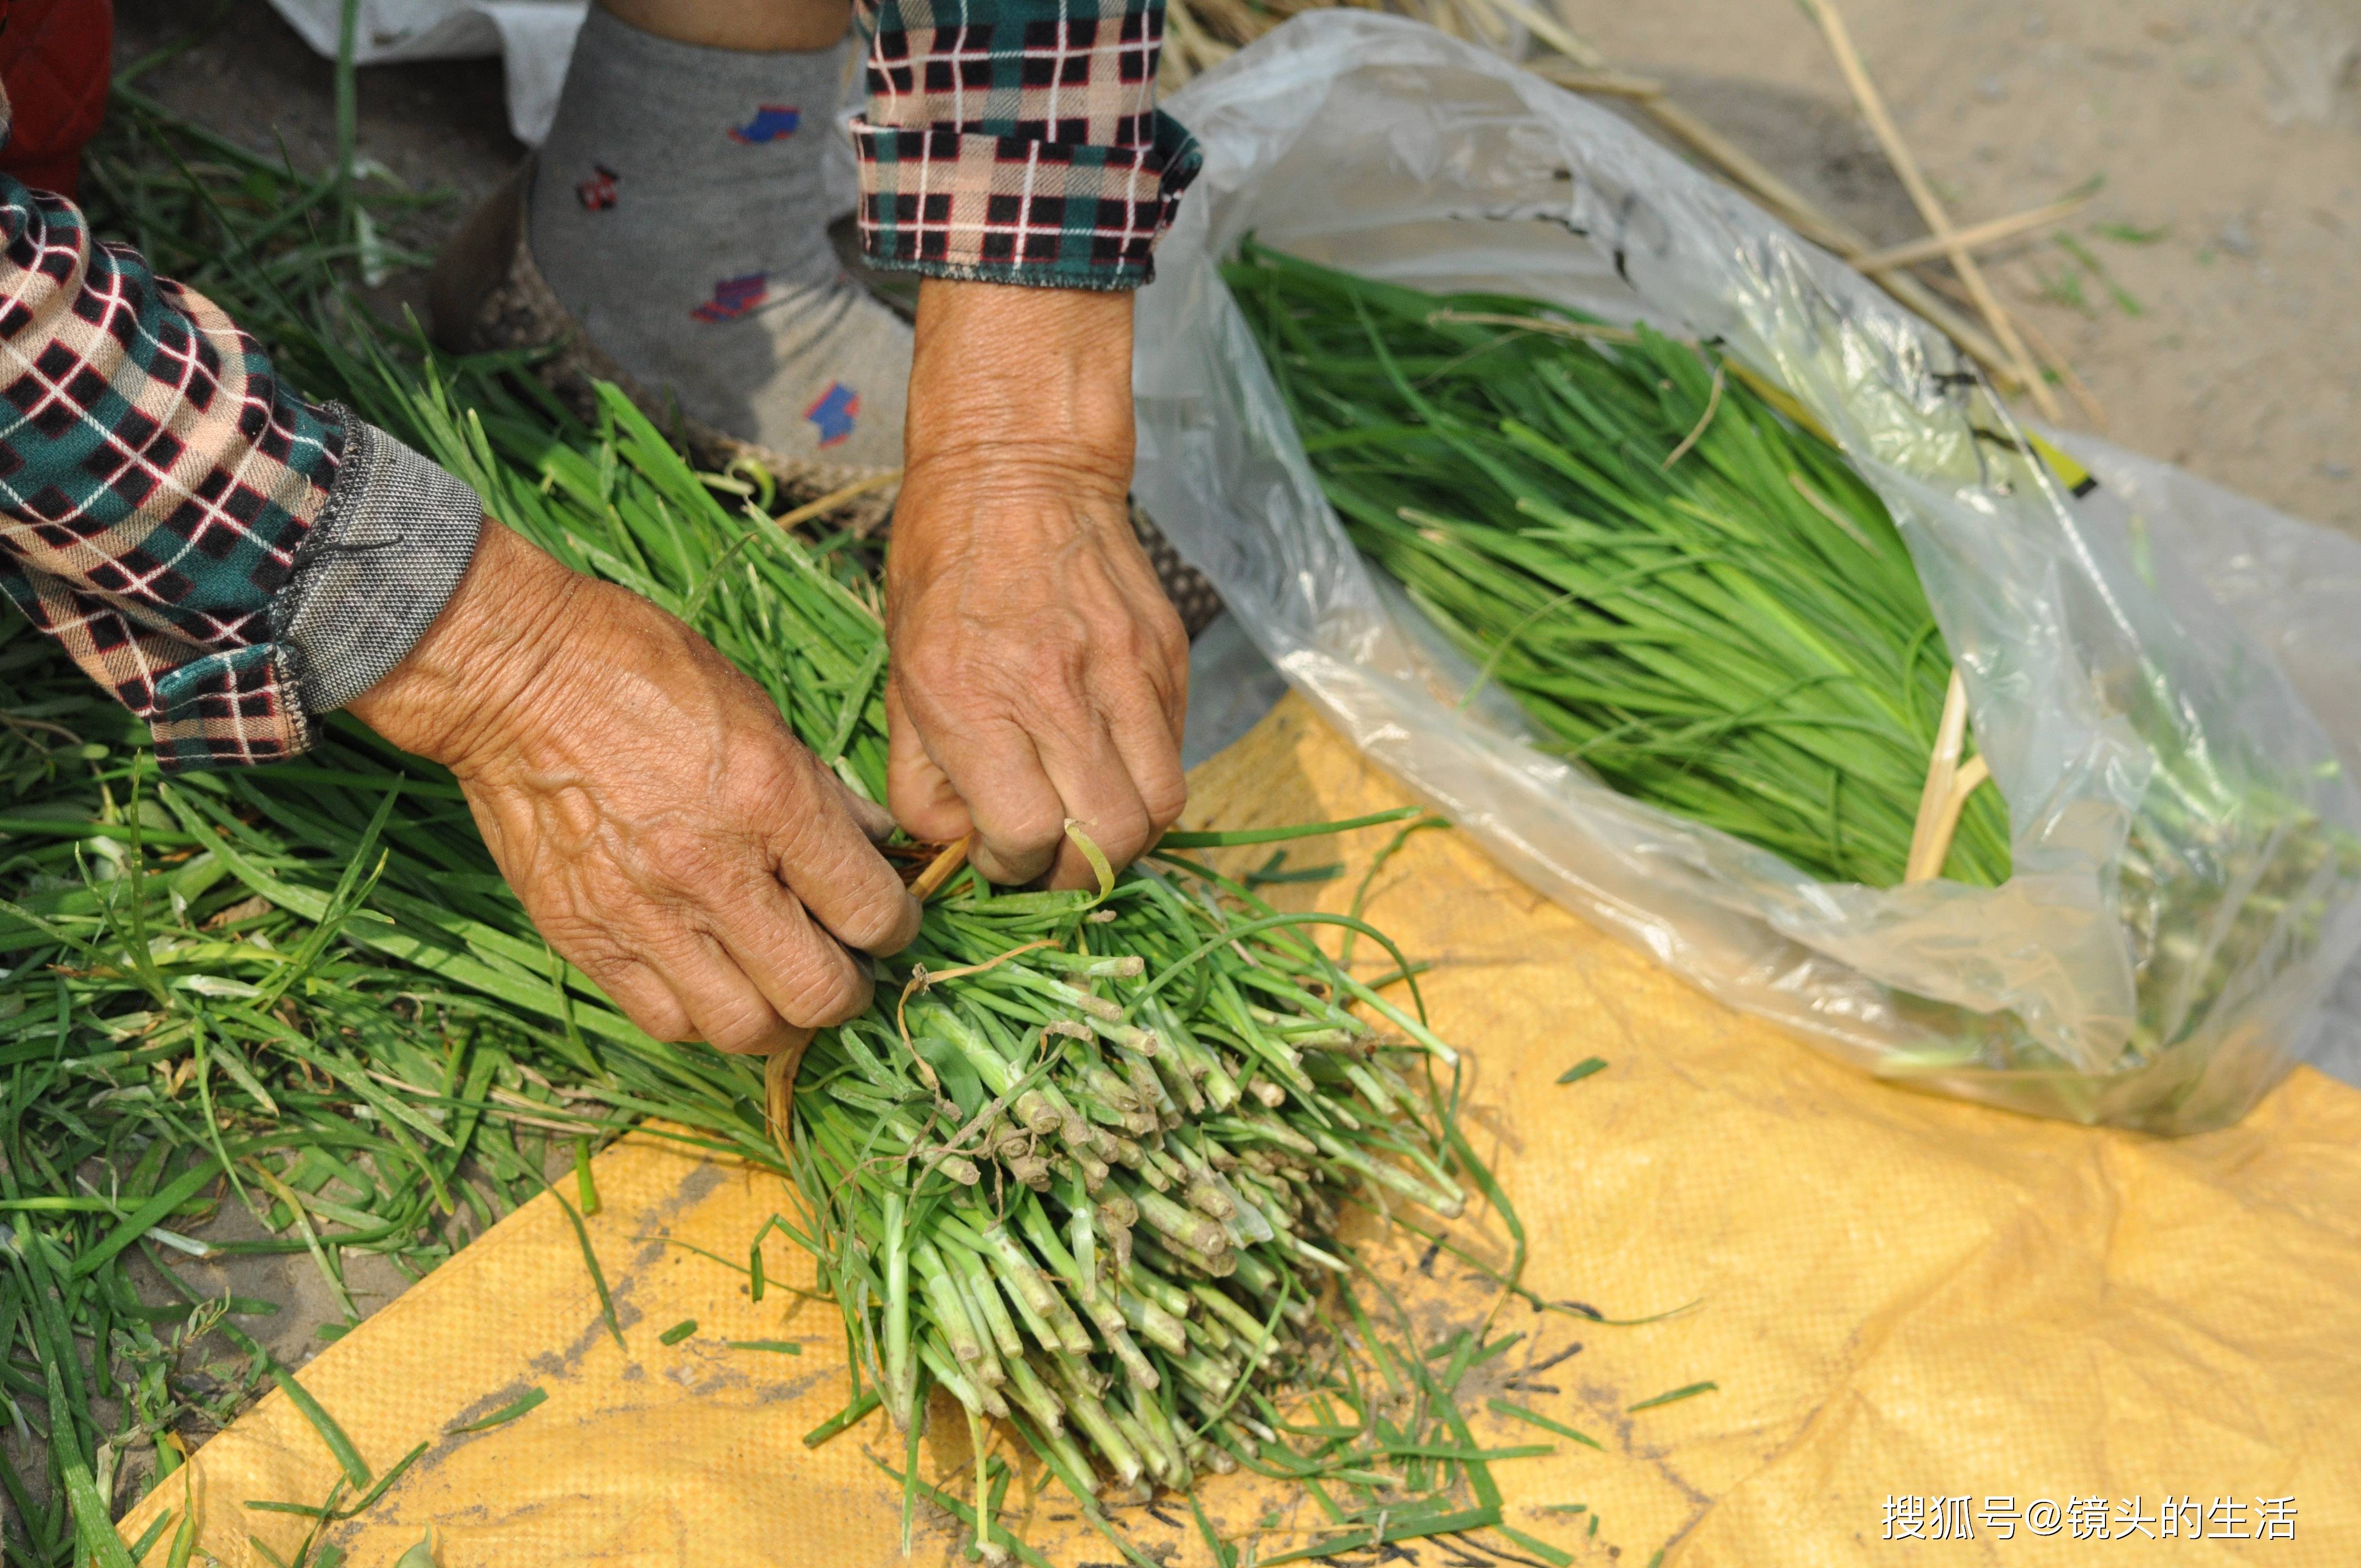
[523,1405]
[1690,1392]
[1083,1167]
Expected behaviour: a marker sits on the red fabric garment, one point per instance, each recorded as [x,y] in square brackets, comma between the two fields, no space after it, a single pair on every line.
[55,59]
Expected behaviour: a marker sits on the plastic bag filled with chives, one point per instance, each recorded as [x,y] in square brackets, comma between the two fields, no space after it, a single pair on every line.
[1689,593]
[1688,590]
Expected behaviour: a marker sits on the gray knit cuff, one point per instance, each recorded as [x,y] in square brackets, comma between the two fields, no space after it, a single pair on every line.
[380,563]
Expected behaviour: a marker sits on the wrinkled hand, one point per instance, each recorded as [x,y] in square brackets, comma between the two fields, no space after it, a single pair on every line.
[666,831]
[1039,673]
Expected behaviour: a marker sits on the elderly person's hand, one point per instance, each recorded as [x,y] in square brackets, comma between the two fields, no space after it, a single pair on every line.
[666,831]
[1038,672]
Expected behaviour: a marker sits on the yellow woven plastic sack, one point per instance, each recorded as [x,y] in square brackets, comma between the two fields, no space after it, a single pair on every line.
[1912,1309]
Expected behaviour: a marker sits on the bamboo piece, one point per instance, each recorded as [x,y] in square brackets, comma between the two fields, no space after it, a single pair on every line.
[2055,359]
[1975,236]
[1931,206]
[2051,356]
[1930,839]
[941,869]
[1597,84]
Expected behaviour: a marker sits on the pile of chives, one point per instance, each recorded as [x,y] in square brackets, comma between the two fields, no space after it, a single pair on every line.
[1089,1180]
[1689,594]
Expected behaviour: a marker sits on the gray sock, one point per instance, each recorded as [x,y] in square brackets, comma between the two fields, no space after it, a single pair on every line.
[679,210]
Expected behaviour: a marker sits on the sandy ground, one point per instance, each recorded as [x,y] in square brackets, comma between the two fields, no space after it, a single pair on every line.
[2222,334]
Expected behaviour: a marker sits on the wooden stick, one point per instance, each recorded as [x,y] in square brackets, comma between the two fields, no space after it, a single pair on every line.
[1975,236]
[941,869]
[1603,83]
[1973,776]
[1931,206]
[2051,356]
[1929,842]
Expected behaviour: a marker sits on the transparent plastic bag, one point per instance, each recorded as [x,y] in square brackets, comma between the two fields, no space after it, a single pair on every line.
[2187,844]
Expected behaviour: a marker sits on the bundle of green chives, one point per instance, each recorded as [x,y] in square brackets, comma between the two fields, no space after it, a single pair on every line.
[1081,1174]
[1079,1167]
[1690,595]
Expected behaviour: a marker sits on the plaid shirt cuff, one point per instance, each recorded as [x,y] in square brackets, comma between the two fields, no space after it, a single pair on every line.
[226,559]
[1016,209]
[157,479]
[1019,141]
[380,561]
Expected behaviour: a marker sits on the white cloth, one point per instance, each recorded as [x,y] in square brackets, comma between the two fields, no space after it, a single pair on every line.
[533,37]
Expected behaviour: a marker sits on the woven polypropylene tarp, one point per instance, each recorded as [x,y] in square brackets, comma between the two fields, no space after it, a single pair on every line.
[1900,1298]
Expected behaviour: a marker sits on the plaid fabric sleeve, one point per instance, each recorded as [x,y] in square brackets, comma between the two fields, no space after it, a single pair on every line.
[1019,141]
[180,521]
